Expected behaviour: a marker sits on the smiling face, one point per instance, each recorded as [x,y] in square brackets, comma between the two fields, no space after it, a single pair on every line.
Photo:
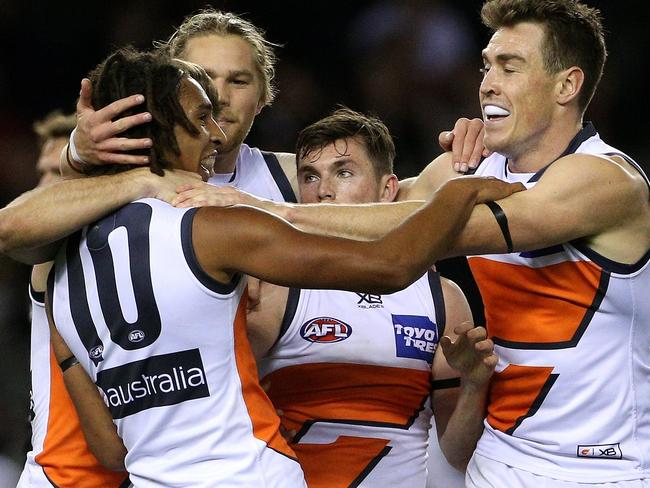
[229,62]
[341,173]
[197,152]
[517,94]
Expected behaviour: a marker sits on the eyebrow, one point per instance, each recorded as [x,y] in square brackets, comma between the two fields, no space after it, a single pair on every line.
[342,161]
[240,72]
[504,58]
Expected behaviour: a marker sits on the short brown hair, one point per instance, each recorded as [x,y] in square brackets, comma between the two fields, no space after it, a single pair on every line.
[55,124]
[127,72]
[573,35]
[210,21]
[345,123]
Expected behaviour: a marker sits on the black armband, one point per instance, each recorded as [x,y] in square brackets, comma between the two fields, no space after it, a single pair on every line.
[444,384]
[66,364]
[502,220]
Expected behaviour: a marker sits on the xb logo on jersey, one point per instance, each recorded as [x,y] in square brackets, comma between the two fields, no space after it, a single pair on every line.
[325,330]
[368,300]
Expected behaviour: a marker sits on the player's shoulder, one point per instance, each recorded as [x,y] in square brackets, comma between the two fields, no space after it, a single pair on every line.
[597,168]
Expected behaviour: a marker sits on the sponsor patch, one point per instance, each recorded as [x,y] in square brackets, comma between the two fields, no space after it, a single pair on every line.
[157,381]
[606,451]
[325,330]
[368,300]
[416,337]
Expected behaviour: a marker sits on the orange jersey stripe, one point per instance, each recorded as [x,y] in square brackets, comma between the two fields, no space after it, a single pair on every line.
[66,457]
[363,393]
[266,424]
[516,393]
[564,292]
[342,463]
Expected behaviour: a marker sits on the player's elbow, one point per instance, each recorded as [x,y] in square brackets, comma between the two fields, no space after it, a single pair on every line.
[395,278]
[8,232]
[458,462]
[111,458]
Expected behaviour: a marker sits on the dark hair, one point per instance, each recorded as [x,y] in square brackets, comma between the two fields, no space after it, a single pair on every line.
[155,75]
[55,124]
[345,123]
[573,35]
[214,22]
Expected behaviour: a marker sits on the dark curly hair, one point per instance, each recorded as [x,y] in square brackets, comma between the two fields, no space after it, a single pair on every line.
[158,77]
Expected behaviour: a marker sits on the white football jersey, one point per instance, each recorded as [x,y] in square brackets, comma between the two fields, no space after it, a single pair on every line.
[167,346]
[351,373]
[258,173]
[571,396]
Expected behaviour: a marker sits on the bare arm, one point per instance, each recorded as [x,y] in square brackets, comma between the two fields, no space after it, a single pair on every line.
[600,200]
[94,416]
[31,225]
[459,412]
[264,320]
[243,239]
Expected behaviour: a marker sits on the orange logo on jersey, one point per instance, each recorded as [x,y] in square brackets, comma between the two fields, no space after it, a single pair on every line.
[325,330]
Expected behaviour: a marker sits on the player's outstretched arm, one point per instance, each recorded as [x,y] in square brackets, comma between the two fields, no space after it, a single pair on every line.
[95,419]
[464,352]
[602,201]
[247,240]
[31,225]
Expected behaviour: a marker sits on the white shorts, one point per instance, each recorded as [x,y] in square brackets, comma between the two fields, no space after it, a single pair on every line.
[483,472]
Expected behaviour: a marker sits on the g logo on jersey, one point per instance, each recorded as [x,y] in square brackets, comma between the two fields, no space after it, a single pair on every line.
[325,330]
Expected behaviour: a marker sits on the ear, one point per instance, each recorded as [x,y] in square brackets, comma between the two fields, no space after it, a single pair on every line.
[389,188]
[569,84]
[260,105]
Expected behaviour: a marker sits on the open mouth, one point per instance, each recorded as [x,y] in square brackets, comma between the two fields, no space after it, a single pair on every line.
[494,113]
[206,165]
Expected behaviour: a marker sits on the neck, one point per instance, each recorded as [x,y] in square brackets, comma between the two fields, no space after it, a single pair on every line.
[537,153]
[225,162]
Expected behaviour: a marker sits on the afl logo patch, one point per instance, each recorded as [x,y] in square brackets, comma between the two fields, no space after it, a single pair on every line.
[325,330]
[136,335]
[96,352]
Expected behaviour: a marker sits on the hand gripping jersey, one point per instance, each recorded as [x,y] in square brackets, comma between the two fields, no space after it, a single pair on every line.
[167,346]
[59,456]
[571,397]
[352,374]
[259,173]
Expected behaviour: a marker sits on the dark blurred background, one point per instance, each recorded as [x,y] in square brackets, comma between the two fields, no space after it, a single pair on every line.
[415,63]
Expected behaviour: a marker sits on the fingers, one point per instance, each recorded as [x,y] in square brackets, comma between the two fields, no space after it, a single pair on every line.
[119,158]
[490,362]
[465,142]
[85,97]
[116,144]
[103,125]
[477,151]
[445,139]
[467,145]
[460,131]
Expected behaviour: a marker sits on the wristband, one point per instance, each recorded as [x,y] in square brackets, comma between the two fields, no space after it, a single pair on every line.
[66,364]
[73,164]
[502,220]
[73,150]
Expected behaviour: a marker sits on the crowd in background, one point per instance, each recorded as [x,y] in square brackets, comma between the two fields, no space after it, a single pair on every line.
[415,63]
